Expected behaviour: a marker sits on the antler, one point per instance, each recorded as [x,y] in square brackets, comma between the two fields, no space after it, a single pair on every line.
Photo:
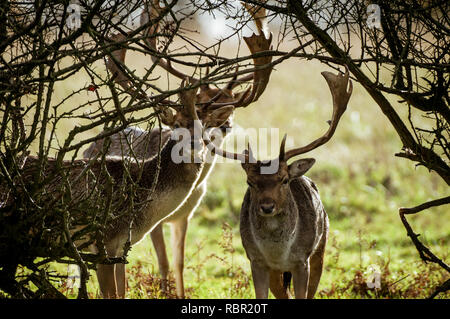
[151,42]
[338,86]
[119,76]
[245,157]
[256,43]
[211,96]
[118,57]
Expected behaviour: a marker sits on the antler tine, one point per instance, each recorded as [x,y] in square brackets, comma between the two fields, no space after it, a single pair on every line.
[211,104]
[150,40]
[258,14]
[282,148]
[257,43]
[245,157]
[338,84]
[229,87]
[189,98]
[249,151]
[242,96]
[226,92]
[215,150]
[119,55]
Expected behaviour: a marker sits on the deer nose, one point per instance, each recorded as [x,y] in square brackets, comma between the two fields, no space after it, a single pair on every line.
[267,208]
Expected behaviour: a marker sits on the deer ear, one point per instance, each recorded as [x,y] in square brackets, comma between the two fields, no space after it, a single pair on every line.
[300,167]
[218,117]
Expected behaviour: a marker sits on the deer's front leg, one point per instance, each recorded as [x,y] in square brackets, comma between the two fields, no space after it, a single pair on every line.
[261,276]
[301,277]
[107,281]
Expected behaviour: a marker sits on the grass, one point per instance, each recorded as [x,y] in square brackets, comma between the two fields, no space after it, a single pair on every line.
[361,183]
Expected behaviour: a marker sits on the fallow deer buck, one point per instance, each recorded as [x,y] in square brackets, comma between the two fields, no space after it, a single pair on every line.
[283,224]
[140,144]
[213,112]
[136,143]
[176,181]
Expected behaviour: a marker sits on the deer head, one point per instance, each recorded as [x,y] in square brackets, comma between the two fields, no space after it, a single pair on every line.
[219,116]
[269,180]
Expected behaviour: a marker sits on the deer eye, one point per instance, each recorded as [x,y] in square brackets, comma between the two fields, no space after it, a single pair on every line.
[176,126]
[250,184]
[285,181]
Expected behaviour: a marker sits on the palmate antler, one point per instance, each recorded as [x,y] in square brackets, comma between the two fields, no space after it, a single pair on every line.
[219,97]
[256,43]
[154,14]
[338,84]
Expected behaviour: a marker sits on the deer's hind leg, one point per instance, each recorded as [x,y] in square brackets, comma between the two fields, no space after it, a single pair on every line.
[121,281]
[107,281]
[157,237]
[277,286]
[316,266]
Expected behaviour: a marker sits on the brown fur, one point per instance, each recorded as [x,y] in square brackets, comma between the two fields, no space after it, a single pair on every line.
[175,183]
[291,238]
[133,142]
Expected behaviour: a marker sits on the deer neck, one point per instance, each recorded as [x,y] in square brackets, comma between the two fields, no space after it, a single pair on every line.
[210,160]
[174,185]
[170,173]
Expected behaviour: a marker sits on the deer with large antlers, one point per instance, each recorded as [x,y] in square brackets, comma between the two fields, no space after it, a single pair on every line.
[134,142]
[176,181]
[215,107]
[283,224]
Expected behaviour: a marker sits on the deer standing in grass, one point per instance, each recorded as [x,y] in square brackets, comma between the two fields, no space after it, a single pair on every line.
[283,224]
[142,144]
[176,181]
[215,113]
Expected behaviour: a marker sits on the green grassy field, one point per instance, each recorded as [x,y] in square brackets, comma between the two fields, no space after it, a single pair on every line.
[361,183]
